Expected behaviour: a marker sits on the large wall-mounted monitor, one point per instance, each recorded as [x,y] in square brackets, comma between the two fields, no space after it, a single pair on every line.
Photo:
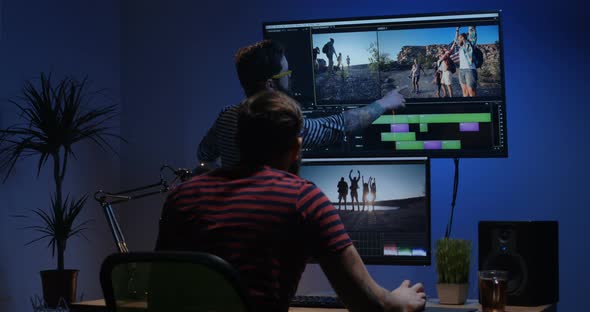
[377,54]
[389,220]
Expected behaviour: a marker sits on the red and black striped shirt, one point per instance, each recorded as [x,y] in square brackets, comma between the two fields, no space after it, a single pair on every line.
[265,222]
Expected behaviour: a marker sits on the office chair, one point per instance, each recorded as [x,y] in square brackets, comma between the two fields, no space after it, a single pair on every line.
[171,282]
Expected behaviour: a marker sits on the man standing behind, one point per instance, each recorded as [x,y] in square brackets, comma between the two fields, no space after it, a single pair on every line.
[263,66]
[267,222]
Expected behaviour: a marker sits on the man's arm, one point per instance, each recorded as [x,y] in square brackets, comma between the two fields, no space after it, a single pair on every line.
[331,130]
[342,264]
[359,292]
[323,131]
[361,118]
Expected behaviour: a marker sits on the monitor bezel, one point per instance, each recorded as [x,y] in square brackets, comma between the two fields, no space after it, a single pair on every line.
[388,260]
[427,153]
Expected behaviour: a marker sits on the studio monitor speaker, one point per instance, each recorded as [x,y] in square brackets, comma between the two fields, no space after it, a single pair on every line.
[529,252]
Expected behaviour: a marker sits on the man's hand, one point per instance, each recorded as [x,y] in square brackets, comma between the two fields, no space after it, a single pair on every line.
[393,99]
[411,299]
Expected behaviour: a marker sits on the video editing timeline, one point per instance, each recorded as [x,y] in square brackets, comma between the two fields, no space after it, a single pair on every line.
[425,131]
[418,130]
[384,204]
[406,140]
[346,63]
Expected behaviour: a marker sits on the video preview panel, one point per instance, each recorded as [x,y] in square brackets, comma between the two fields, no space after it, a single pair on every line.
[368,64]
[384,205]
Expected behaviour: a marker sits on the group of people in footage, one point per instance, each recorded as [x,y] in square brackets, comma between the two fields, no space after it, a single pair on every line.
[369,188]
[257,146]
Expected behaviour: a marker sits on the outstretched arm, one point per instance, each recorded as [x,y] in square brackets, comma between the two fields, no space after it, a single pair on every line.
[361,118]
[323,131]
[359,292]
[343,265]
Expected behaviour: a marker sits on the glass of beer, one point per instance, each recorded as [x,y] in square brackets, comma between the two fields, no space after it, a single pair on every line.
[492,290]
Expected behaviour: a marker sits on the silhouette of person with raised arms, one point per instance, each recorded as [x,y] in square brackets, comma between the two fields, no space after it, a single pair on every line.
[365,191]
[342,192]
[354,185]
[373,188]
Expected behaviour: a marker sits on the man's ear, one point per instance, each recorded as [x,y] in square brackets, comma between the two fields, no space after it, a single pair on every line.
[269,84]
[296,149]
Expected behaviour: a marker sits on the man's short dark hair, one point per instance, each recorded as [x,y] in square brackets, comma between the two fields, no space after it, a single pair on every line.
[257,63]
[268,126]
[464,35]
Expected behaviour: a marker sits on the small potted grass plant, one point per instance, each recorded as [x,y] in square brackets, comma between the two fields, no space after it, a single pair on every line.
[55,116]
[452,267]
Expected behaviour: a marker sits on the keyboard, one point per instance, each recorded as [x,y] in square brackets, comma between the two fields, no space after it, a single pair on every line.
[334,302]
[317,302]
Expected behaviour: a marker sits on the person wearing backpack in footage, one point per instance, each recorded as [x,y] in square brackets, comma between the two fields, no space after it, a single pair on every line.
[467,61]
[329,50]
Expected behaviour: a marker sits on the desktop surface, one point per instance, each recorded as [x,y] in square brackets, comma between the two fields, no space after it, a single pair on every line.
[431,306]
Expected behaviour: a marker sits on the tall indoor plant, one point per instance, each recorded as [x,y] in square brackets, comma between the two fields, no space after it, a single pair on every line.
[452,267]
[55,116]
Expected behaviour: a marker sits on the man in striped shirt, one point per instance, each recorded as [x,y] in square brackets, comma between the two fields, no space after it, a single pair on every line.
[268,222]
[263,66]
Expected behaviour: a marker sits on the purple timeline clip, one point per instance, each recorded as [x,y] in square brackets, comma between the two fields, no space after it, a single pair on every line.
[400,128]
[432,145]
[469,127]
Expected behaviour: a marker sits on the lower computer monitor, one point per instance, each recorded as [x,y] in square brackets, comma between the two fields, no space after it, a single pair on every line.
[384,204]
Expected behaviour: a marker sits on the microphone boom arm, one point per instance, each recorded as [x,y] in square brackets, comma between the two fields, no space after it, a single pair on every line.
[108,199]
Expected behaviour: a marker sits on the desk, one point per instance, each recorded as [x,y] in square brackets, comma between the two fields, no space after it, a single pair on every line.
[99,306]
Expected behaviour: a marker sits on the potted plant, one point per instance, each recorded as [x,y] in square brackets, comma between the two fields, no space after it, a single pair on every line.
[452,267]
[54,117]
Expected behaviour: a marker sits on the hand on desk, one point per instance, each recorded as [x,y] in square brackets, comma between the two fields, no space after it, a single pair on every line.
[411,298]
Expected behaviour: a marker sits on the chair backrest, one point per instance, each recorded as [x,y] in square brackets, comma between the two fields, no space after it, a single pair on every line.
[171,282]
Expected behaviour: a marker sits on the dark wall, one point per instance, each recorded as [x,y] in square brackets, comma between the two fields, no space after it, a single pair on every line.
[178,73]
[171,64]
[67,38]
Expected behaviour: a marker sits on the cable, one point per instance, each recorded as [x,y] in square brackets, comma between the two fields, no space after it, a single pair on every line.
[455,188]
